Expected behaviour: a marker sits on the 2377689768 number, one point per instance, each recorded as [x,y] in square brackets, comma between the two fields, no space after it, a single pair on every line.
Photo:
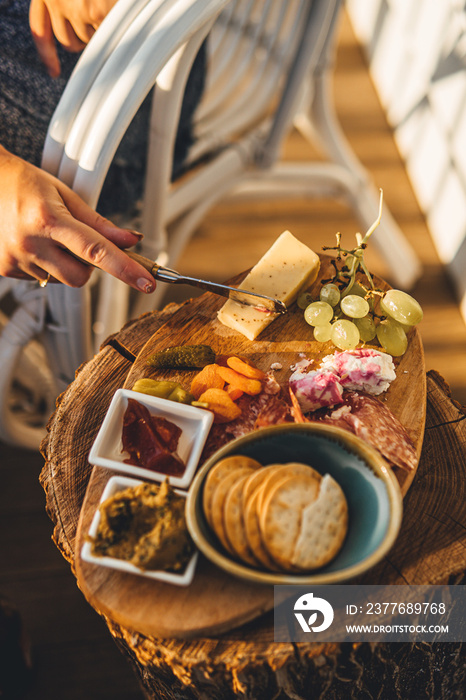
[426,608]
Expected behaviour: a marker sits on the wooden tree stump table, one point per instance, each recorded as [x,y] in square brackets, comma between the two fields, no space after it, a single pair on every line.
[245,662]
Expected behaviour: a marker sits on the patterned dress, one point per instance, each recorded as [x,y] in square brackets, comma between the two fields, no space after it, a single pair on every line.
[28,97]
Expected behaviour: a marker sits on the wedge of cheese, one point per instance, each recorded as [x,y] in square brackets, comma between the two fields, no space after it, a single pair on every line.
[287,267]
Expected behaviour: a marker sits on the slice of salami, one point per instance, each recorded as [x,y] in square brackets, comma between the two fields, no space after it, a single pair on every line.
[362,414]
[256,412]
[371,420]
[274,412]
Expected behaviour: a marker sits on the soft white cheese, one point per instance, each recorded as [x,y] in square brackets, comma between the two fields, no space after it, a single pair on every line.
[362,369]
[286,268]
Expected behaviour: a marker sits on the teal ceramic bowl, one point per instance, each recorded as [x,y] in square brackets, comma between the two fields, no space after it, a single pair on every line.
[371,489]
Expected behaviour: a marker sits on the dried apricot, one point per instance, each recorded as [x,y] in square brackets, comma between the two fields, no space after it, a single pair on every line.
[239,381]
[244,367]
[207,378]
[233,392]
[222,406]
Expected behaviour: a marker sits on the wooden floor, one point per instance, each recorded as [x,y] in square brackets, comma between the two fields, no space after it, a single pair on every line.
[74,656]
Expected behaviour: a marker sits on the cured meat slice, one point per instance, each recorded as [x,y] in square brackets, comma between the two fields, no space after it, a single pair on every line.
[371,420]
[360,413]
[274,412]
[256,412]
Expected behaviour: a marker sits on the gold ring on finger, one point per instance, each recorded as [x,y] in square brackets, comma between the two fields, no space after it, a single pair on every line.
[43,283]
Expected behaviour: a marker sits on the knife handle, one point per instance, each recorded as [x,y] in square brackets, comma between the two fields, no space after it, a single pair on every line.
[147,264]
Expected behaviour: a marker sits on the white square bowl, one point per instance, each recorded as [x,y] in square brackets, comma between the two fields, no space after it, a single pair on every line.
[194,422]
[119,483]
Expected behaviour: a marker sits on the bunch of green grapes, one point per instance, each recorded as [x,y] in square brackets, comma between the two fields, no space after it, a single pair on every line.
[348,318]
[345,312]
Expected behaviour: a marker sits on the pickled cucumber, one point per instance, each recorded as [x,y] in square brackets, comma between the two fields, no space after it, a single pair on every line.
[187,356]
[181,395]
[163,389]
[155,387]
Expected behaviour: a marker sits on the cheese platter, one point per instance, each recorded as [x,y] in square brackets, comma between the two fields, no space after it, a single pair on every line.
[217,601]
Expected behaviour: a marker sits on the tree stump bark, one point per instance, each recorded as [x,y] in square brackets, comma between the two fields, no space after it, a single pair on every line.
[246,663]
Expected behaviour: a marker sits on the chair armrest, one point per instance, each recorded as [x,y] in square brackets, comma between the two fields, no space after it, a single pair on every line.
[102,45]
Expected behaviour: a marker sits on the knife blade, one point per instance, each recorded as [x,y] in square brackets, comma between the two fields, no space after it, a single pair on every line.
[242,296]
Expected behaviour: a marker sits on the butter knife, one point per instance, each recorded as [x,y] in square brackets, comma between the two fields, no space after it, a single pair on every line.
[242,296]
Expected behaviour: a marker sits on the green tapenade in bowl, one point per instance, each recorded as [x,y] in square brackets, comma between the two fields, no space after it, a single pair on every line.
[140,528]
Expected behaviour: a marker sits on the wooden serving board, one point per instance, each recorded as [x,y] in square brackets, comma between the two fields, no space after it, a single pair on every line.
[215,602]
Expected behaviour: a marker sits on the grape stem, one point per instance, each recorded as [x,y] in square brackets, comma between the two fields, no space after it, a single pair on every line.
[357,254]
[376,222]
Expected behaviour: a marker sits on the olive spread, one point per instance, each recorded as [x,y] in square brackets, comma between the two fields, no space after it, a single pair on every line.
[146,526]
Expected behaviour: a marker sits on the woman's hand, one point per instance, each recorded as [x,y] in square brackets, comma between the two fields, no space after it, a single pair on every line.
[47,229]
[71,22]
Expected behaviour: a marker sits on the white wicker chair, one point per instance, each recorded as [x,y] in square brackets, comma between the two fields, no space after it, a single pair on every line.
[269,65]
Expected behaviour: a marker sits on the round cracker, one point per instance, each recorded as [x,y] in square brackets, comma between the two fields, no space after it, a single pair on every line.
[280,517]
[218,472]
[218,503]
[252,483]
[253,533]
[324,525]
[252,500]
[233,520]
[278,472]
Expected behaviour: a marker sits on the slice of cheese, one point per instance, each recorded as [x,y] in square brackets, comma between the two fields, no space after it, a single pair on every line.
[286,268]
